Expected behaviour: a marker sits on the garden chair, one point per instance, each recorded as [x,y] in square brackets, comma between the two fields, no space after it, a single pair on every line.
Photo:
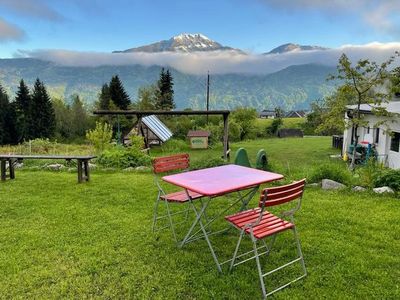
[260,224]
[178,162]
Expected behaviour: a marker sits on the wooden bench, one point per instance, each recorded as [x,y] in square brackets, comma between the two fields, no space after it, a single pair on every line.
[12,159]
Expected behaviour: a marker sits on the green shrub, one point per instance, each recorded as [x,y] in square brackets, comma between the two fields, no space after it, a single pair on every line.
[334,172]
[369,173]
[207,163]
[246,118]
[100,137]
[123,157]
[390,178]
[175,146]
[40,146]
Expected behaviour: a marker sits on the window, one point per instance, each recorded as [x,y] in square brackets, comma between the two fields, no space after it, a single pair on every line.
[394,145]
[376,135]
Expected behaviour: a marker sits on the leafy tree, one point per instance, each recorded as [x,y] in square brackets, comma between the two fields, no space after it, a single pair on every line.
[245,118]
[80,120]
[147,98]
[63,117]
[8,133]
[395,80]
[118,94]
[43,121]
[23,106]
[165,95]
[100,137]
[365,82]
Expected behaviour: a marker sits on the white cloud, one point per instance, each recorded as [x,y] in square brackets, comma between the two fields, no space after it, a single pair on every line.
[218,62]
[32,8]
[10,32]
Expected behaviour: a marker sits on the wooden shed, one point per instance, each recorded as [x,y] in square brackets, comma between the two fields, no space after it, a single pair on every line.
[198,139]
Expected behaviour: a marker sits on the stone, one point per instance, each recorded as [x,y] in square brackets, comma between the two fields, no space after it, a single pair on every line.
[71,170]
[55,167]
[328,184]
[18,165]
[92,166]
[358,188]
[142,169]
[337,156]
[315,184]
[129,169]
[383,189]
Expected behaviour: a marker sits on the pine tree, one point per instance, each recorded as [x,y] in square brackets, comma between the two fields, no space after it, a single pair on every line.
[8,134]
[43,117]
[104,98]
[165,93]
[118,94]
[23,105]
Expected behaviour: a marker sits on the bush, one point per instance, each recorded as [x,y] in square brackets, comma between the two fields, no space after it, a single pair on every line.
[100,137]
[175,146]
[40,146]
[123,157]
[334,172]
[207,163]
[275,126]
[246,119]
[369,173]
[390,178]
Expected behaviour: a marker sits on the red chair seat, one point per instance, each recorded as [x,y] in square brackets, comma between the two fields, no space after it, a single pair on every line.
[269,224]
[180,196]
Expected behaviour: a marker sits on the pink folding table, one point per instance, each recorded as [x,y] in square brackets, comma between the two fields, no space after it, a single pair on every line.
[214,182]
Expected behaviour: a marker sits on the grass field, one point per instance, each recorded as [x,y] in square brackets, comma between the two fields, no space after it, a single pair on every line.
[59,239]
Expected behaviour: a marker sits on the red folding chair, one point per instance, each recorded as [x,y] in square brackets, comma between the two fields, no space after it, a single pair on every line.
[259,224]
[164,165]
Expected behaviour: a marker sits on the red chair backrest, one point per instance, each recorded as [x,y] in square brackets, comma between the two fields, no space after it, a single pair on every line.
[171,163]
[282,194]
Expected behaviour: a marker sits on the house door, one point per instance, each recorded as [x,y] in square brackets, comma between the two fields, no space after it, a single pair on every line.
[394,151]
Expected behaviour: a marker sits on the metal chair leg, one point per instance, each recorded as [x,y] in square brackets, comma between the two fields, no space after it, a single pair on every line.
[299,252]
[156,212]
[170,221]
[236,250]
[260,274]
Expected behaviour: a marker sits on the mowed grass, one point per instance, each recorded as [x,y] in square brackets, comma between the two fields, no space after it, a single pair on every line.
[59,239]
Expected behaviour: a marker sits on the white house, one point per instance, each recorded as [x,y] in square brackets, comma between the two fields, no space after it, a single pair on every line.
[385,137]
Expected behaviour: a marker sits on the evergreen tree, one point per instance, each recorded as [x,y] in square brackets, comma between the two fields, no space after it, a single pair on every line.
[104,98]
[165,95]
[23,105]
[118,94]
[43,117]
[8,133]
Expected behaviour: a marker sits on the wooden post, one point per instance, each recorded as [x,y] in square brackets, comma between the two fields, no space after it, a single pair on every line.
[79,171]
[226,136]
[3,170]
[11,168]
[141,131]
[86,169]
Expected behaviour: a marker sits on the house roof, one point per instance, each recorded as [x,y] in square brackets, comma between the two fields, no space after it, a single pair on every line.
[296,113]
[391,107]
[198,133]
[157,127]
[267,113]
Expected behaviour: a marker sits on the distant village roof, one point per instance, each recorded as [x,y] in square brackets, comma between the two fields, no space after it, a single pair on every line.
[198,133]
[268,113]
[391,107]
[157,127]
[296,114]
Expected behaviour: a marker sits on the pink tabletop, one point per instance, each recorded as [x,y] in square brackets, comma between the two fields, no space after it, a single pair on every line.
[221,180]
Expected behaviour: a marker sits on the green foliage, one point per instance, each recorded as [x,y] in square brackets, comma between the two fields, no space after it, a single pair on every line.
[23,107]
[42,118]
[165,91]
[123,157]
[117,93]
[137,142]
[147,98]
[369,173]
[100,137]
[390,178]
[175,146]
[275,126]
[42,146]
[245,118]
[104,98]
[336,172]
[8,130]
[207,162]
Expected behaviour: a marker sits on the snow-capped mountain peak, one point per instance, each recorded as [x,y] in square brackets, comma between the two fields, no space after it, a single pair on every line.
[290,47]
[184,42]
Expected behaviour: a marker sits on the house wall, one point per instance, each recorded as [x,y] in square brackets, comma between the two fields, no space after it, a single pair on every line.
[390,158]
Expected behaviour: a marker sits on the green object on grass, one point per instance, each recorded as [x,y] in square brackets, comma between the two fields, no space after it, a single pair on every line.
[241,158]
[262,160]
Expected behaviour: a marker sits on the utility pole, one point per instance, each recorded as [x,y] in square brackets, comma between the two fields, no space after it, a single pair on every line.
[208,93]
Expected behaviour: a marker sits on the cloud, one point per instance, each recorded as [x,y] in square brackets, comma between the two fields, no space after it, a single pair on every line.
[381,15]
[10,32]
[32,8]
[217,62]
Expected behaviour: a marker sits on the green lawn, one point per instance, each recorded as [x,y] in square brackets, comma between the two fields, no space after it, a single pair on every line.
[59,239]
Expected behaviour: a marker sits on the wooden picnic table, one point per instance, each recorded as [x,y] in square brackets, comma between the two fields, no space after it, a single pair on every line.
[12,159]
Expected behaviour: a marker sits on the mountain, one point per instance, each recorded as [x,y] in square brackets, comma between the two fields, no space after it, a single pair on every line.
[293,47]
[184,42]
[291,88]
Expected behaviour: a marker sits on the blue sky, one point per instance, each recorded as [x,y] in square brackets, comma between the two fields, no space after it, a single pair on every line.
[253,25]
